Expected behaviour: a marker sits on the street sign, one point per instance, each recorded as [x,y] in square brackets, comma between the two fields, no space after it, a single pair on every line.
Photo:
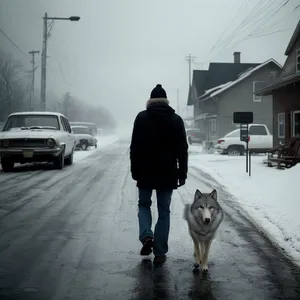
[244,136]
[245,117]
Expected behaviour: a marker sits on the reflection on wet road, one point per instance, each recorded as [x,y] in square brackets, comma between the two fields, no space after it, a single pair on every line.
[72,234]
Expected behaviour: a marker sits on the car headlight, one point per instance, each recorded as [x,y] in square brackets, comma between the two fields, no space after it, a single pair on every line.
[50,143]
[5,143]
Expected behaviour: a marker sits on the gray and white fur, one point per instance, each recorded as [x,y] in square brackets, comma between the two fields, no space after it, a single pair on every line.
[203,216]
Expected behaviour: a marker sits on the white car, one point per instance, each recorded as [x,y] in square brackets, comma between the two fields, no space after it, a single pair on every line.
[36,137]
[84,138]
[260,141]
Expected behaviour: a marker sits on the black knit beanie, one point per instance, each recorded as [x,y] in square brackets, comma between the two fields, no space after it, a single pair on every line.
[158,92]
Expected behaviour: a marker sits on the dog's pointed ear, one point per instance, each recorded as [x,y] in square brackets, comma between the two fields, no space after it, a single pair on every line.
[214,195]
[197,195]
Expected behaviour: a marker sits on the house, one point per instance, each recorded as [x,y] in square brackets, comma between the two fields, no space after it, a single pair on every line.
[286,94]
[228,87]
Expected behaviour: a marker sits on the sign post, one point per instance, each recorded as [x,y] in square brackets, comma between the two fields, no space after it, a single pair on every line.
[244,137]
[244,119]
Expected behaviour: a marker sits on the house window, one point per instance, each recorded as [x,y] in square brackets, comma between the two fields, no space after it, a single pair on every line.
[298,60]
[281,125]
[257,130]
[296,123]
[256,86]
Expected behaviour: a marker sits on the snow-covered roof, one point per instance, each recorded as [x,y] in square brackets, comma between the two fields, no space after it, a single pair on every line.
[215,88]
[34,113]
[224,87]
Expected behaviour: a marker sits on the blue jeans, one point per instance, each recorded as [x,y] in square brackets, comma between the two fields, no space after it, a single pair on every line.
[162,227]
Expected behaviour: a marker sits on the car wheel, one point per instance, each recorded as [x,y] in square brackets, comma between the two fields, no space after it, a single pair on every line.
[96,146]
[234,151]
[69,159]
[7,165]
[59,161]
[84,146]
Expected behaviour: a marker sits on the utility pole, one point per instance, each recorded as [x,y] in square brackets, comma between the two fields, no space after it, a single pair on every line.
[44,53]
[190,59]
[44,62]
[33,52]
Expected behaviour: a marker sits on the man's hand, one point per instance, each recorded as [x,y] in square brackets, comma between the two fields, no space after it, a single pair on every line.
[181,182]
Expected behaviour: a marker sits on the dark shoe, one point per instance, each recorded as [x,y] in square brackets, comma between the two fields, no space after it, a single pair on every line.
[147,247]
[158,260]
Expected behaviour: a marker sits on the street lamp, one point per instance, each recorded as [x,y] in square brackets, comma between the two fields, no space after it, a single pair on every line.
[44,54]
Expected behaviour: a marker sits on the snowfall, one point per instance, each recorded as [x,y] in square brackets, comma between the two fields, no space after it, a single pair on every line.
[269,197]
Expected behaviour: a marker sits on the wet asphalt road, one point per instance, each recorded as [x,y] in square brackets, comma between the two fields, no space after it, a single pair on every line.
[72,234]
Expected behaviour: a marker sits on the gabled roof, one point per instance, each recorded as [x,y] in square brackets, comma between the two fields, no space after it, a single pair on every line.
[293,40]
[220,73]
[211,91]
[243,76]
[199,79]
[217,74]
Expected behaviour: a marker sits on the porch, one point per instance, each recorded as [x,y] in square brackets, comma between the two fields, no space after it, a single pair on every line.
[207,123]
[286,116]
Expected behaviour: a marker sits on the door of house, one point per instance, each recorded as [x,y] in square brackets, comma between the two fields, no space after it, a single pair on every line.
[296,123]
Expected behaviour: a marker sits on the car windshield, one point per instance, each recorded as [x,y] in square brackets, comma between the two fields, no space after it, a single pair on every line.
[81,130]
[27,122]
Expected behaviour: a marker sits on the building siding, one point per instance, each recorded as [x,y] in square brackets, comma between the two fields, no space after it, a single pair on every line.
[286,100]
[240,98]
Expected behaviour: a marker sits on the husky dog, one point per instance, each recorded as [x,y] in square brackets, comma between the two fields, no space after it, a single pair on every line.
[203,216]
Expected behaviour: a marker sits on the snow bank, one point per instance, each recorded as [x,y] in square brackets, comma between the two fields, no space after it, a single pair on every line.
[103,141]
[269,197]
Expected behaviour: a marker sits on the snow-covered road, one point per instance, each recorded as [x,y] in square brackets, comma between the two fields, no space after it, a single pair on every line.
[72,234]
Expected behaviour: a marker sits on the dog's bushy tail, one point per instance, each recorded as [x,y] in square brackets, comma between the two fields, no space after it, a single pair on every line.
[186,211]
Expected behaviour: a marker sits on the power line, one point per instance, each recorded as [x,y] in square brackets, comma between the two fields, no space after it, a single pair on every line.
[12,42]
[269,33]
[252,34]
[246,21]
[273,14]
[60,70]
[281,19]
[220,37]
[243,22]
[258,26]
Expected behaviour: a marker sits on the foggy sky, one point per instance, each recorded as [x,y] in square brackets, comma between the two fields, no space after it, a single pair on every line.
[120,49]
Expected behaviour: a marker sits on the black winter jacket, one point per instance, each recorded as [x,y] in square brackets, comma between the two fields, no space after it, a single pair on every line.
[159,149]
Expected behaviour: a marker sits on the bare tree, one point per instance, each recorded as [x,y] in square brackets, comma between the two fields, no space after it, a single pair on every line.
[80,111]
[14,86]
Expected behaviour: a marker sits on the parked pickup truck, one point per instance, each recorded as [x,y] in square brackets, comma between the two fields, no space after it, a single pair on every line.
[260,141]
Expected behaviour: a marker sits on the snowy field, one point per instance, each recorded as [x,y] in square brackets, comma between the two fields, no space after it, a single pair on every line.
[270,197]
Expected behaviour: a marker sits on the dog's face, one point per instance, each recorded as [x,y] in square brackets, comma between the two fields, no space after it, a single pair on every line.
[205,205]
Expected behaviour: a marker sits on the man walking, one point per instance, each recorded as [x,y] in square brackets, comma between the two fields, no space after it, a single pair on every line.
[159,157]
